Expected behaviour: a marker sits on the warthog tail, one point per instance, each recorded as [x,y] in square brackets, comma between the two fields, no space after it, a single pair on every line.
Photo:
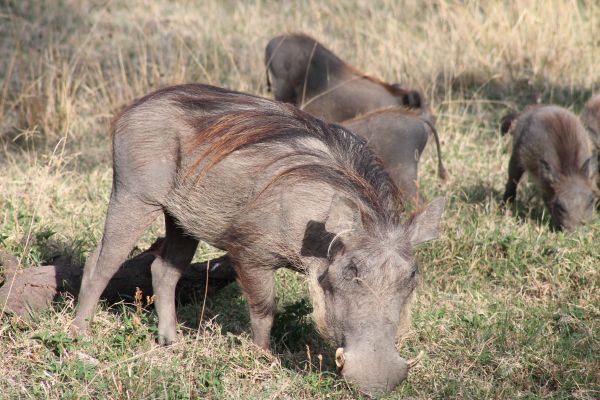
[441,169]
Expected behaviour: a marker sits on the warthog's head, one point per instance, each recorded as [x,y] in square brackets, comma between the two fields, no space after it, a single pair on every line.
[571,199]
[362,298]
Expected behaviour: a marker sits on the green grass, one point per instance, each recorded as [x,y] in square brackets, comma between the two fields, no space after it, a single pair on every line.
[507,308]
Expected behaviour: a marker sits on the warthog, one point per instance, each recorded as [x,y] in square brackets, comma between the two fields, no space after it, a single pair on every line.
[551,144]
[275,187]
[591,120]
[305,73]
[398,136]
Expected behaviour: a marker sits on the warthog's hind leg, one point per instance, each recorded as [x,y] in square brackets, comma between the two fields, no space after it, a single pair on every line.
[127,218]
[177,252]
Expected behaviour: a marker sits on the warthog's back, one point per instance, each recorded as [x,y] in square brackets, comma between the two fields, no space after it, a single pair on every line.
[221,162]
[394,133]
[306,73]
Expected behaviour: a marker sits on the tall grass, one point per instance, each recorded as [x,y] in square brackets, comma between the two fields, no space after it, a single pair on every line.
[507,308]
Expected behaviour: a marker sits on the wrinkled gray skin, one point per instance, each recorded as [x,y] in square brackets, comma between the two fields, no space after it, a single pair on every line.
[398,136]
[551,144]
[303,72]
[357,254]
[590,118]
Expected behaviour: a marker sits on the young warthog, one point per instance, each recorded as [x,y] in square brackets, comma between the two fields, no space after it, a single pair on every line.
[274,187]
[550,144]
[305,73]
[398,136]
[591,120]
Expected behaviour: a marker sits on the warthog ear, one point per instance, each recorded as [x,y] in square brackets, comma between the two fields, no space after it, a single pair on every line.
[317,241]
[413,99]
[409,98]
[343,215]
[589,167]
[547,172]
[424,225]
[324,239]
[507,122]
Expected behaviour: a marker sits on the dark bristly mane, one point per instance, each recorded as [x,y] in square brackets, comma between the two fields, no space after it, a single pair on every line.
[567,142]
[227,121]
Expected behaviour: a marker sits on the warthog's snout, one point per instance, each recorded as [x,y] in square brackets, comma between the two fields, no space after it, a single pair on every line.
[373,372]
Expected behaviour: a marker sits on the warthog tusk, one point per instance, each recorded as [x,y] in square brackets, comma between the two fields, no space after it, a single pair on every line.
[414,361]
[339,357]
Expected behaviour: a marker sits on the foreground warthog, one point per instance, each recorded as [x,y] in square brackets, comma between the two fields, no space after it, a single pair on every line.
[305,73]
[550,144]
[591,120]
[398,136]
[274,187]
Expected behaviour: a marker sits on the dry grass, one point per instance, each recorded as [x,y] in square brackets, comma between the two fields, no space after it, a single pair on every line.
[507,308]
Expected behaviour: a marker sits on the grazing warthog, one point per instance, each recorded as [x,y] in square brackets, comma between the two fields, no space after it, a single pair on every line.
[275,187]
[591,120]
[550,144]
[307,74]
[398,136]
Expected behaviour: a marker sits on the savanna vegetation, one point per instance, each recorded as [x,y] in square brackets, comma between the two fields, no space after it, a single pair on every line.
[507,308]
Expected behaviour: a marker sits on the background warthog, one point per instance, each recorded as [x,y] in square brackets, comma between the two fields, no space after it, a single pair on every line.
[275,187]
[398,136]
[305,73]
[550,144]
[591,120]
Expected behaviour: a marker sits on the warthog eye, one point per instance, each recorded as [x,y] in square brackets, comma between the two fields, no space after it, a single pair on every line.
[559,208]
[413,280]
[351,271]
[324,282]
[591,201]
[414,271]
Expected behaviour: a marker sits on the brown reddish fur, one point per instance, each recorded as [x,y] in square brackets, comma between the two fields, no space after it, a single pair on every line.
[550,143]
[591,120]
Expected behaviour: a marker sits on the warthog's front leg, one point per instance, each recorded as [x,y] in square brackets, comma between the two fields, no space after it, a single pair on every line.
[515,172]
[258,286]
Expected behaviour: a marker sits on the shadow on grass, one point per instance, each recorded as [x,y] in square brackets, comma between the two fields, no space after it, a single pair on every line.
[293,335]
[530,210]
[478,194]
[294,338]
[526,210]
